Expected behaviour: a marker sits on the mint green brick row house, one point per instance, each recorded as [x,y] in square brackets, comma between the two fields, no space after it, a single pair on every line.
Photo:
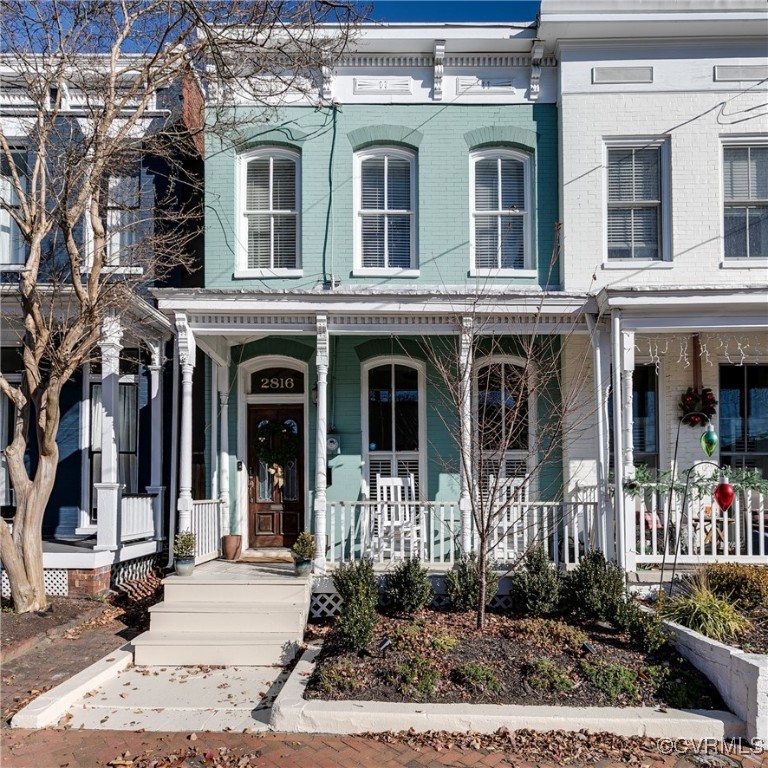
[376,344]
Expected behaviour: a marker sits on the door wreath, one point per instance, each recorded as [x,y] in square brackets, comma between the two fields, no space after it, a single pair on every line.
[696,404]
[276,444]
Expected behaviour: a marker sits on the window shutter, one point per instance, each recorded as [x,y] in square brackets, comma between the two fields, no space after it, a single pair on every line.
[372,184]
[257,186]
[486,185]
[512,184]
[398,184]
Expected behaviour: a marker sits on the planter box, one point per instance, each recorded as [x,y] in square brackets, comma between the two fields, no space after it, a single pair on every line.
[741,678]
[291,712]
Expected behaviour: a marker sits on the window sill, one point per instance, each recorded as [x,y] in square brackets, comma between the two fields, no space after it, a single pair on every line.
[383,272]
[121,270]
[637,264]
[528,273]
[242,274]
[744,264]
[11,267]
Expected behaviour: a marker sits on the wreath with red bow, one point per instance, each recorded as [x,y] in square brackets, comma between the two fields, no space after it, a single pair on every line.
[697,405]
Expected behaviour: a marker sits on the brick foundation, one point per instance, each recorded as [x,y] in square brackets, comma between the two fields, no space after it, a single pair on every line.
[87,583]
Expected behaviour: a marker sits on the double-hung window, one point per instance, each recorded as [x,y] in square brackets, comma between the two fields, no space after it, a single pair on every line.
[385,210]
[635,202]
[12,244]
[270,193]
[745,181]
[501,211]
[121,213]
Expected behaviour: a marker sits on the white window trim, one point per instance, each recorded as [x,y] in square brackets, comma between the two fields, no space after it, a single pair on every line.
[665,208]
[242,270]
[366,154]
[421,370]
[739,262]
[16,266]
[244,399]
[532,479]
[529,270]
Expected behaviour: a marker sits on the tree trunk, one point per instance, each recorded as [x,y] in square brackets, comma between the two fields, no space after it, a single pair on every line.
[481,556]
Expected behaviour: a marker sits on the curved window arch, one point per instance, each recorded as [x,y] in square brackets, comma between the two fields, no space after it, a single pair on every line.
[503,419]
[269,211]
[385,209]
[394,420]
[501,205]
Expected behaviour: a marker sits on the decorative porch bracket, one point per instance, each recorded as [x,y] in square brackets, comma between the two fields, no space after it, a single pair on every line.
[321,458]
[187,352]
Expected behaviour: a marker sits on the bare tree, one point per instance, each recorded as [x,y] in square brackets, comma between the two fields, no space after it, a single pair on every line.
[94,91]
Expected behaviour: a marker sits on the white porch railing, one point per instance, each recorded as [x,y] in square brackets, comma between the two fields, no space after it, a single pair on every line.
[431,530]
[137,516]
[699,531]
[206,524]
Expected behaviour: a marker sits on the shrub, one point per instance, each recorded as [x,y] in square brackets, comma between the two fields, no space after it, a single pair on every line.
[595,589]
[463,584]
[356,578]
[556,635]
[542,673]
[304,548]
[477,677]
[184,544]
[444,642]
[700,609]
[415,677]
[535,587]
[613,679]
[646,632]
[356,584]
[745,585]
[407,588]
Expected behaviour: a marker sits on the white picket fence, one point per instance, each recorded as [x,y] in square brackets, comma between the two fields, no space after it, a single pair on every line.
[137,517]
[699,531]
[206,523]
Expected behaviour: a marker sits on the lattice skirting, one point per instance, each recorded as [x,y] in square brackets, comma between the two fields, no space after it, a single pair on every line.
[132,569]
[326,602]
[55,580]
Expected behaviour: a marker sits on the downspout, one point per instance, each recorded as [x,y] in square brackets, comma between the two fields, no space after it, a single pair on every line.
[174,452]
[618,441]
[602,484]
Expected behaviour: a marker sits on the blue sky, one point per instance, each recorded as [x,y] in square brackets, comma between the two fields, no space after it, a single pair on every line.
[454,10]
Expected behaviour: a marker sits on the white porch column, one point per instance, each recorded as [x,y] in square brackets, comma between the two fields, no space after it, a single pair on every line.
[627,369]
[187,363]
[465,416]
[156,453]
[618,438]
[108,489]
[223,387]
[321,362]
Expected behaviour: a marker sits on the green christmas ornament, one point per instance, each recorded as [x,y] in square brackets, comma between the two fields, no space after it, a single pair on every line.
[709,440]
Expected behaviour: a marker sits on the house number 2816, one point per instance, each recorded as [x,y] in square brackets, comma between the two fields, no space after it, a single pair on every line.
[277,383]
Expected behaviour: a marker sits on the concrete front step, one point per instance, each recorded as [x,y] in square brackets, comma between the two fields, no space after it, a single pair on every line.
[199,616]
[253,591]
[155,648]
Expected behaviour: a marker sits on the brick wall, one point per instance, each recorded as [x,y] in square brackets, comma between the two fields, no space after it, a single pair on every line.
[88,583]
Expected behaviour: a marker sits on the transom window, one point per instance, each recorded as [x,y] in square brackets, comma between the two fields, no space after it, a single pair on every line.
[271,210]
[12,244]
[393,420]
[745,225]
[501,205]
[385,192]
[634,202]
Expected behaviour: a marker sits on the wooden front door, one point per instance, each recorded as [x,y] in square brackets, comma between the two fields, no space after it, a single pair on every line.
[275,506]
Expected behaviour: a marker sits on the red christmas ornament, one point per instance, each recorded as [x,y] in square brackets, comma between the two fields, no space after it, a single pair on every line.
[724,494]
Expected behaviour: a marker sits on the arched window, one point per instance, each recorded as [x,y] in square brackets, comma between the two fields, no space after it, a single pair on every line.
[394,422]
[385,227]
[501,210]
[269,203]
[503,428]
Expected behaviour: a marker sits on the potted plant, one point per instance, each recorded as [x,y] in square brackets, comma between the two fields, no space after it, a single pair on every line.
[184,552]
[303,553]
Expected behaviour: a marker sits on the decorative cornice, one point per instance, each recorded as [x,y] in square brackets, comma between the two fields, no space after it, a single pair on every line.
[326,89]
[185,340]
[364,86]
[437,91]
[537,54]
[471,84]
[322,356]
[360,61]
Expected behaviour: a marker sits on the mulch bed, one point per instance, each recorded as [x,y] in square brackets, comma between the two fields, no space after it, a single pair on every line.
[755,640]
[441,657]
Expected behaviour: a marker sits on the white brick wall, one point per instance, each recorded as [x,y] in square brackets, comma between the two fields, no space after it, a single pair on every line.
[695,125]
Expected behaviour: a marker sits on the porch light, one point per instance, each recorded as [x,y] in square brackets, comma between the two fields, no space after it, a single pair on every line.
[724,494]
[709,440]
